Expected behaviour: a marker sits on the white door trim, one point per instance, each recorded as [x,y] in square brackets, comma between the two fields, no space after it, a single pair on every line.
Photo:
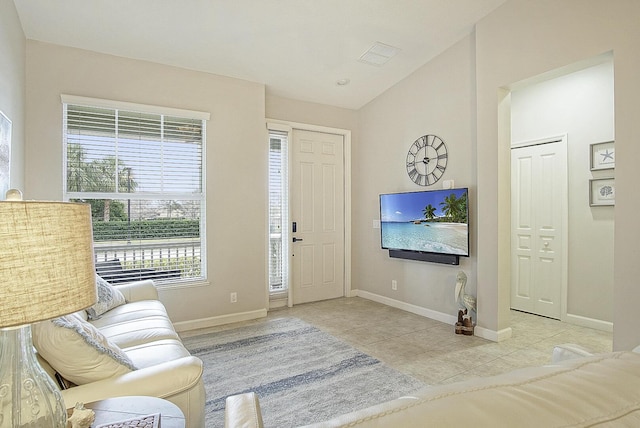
[288,126]
[562,138]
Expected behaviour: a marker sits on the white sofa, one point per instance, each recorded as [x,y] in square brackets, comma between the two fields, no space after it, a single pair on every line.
[138,327]
[592,390]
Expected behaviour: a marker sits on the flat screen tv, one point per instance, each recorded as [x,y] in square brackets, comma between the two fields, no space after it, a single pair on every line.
[430,221]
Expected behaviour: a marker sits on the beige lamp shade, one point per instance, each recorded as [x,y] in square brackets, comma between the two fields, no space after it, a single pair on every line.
[46,260]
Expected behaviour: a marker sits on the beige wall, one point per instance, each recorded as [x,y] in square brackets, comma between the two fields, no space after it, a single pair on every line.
[12,84]
[312,114]
[437,99]
[511,45]
[522,39]
[236,153]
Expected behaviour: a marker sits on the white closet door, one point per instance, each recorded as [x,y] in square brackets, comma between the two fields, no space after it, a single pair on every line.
[538,217]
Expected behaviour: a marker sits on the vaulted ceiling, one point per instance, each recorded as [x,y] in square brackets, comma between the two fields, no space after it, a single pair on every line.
[300,49]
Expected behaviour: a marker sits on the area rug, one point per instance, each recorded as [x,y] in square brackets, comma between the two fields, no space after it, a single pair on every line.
[301,374]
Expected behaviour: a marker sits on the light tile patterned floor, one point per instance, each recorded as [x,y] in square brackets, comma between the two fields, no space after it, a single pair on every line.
[430,350]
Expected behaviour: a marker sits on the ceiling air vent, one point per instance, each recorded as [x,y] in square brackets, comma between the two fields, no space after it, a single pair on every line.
[378,54]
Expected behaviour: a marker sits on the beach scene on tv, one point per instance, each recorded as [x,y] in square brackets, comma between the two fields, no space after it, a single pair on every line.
[429,221]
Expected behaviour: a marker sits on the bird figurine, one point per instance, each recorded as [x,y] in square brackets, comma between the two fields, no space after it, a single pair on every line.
[464,300]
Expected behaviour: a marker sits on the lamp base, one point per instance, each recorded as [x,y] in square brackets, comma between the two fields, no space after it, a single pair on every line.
[28,396]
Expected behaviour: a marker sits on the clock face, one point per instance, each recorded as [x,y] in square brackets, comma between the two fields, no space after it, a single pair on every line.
[427,160]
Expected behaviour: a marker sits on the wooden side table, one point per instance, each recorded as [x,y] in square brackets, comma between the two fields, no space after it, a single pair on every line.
[121,408]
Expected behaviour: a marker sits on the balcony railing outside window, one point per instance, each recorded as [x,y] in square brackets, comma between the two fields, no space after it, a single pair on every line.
[163,262]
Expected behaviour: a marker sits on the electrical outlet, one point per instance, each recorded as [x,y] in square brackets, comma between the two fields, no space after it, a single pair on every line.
[394,284]
[234,297]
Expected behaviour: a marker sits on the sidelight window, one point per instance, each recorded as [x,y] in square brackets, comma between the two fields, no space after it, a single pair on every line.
[278,212]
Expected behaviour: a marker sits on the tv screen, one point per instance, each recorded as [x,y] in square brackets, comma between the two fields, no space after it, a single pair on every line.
[431,221]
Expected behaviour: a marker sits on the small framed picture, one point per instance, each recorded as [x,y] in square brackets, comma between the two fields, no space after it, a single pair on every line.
[603,156]
[602,192]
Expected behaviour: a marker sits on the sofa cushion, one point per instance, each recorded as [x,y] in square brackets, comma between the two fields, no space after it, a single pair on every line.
[601,390]
[140,331]
[156,352]
[108,298]
[136,323]
[79,351]
[130,312]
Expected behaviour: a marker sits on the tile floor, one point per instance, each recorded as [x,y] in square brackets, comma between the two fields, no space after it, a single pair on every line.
[430,350]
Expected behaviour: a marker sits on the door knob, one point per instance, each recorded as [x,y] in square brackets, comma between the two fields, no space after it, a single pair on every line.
[296,239]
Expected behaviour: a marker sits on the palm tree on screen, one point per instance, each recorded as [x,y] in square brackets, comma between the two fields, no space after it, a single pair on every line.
[429,212]
[455,208]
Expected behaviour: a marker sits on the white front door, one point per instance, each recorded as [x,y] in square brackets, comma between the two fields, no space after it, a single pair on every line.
[538,214]
[317,210]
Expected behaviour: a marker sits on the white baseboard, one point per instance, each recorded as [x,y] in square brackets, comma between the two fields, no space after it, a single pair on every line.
[589,322]
[418,310]
[219,320]
[495,336]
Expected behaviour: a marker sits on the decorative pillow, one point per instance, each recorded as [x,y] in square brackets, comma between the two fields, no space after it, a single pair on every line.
[78,350]
[108,298]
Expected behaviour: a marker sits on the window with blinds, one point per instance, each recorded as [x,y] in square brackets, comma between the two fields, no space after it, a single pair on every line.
[142,172]
[278,212]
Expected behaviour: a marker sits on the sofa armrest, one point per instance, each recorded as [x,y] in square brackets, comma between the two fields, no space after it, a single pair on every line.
[569,351]
[162,380]
[243,411]
[139,290]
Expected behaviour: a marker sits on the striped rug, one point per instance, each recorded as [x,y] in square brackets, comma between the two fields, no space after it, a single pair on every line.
[301,374]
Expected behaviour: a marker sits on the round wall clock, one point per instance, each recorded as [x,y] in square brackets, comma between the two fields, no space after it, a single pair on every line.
[427,160]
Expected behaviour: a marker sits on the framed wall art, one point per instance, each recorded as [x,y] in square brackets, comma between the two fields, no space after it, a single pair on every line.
[602,192]
[5,154]
[603,156]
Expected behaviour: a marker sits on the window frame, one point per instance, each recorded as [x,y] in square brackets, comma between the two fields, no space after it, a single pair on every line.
[202,278]
[283,207]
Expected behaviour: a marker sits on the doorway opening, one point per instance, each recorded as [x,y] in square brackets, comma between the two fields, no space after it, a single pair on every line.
[576,101]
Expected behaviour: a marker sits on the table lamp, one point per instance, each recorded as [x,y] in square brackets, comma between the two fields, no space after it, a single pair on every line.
[46,271]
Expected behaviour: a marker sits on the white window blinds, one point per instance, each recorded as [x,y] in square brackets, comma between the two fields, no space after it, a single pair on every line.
[278,211]
[142,171]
